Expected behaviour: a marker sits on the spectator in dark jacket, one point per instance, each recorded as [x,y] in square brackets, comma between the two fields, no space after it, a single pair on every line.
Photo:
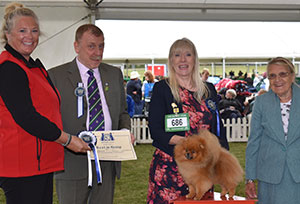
[134,89]
[230,107]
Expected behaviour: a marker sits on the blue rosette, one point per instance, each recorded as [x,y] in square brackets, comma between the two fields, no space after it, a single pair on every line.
[91,139]
[79,93]
[211,105]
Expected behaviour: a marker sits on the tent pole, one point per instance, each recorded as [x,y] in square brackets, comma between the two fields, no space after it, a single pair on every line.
[93,6]
[153,66]
[224,67]
[93,17]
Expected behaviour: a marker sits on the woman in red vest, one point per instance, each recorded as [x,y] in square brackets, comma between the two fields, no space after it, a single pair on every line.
[31,136]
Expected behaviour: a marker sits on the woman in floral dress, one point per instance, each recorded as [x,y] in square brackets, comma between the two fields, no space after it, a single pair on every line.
[182,92]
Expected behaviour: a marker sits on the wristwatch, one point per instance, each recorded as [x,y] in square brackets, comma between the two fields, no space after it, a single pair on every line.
[249,181]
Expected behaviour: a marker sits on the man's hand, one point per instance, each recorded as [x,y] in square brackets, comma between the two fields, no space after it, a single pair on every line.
[132,138]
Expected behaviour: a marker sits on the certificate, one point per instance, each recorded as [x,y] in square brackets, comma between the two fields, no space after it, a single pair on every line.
[114,145]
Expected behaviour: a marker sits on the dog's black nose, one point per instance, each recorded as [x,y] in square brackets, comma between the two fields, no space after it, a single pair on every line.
[189,156]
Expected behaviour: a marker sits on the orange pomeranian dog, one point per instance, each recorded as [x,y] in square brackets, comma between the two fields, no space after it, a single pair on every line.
[202,162]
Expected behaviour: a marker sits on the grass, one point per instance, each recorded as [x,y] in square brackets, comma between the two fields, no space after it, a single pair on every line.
[133,185]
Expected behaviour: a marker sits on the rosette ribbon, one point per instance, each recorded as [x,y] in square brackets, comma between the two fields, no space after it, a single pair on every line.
[91,139]
[79,92]
[213,108]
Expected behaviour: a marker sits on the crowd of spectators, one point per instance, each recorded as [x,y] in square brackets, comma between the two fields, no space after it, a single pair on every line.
[139,92]
[233,102]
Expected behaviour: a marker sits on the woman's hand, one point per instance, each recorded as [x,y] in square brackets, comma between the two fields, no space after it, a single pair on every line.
[73,143]
[250,190]
[78,145]
[176,139]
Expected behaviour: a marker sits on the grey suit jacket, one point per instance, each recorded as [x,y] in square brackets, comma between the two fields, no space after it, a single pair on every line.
[66,77]
[267,152]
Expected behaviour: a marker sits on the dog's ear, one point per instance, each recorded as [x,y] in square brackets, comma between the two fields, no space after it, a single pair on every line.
[182,141]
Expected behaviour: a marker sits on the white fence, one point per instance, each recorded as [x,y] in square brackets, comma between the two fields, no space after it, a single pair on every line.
[237,130]
[140,130]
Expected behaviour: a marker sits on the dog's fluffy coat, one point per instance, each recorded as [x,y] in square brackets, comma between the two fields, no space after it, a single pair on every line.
[202,162]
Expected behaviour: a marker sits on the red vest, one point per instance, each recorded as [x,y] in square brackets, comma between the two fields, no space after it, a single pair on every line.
[19,149]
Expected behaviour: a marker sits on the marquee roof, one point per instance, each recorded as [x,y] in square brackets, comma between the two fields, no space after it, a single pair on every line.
[60,18]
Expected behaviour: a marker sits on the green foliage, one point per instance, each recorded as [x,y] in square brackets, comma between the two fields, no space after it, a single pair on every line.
[133,185]
[218,70]
[2,197]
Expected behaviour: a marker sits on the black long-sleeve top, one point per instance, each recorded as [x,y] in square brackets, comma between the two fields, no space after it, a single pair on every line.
[160,106]
[15,93]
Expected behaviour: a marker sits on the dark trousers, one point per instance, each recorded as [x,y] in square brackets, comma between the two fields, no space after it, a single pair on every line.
[76,191]
[138,108]
[28,190]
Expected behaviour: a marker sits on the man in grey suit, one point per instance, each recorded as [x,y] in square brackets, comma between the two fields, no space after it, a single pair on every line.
[72,183]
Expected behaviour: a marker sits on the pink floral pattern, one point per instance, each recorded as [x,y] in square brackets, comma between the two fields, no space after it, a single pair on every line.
[199,114]
[165,182]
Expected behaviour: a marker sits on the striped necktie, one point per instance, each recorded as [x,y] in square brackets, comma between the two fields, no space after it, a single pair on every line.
[95,106]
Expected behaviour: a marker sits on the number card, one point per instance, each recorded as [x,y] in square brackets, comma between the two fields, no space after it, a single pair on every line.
[177,122]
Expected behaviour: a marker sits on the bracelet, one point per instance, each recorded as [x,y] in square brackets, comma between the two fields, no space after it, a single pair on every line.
[68,141]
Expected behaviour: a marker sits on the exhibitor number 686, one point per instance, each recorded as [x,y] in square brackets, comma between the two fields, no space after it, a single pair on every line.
[177,122]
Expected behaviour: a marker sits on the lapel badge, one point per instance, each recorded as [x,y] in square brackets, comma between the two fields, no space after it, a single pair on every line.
[175,108]
[79,91]
[106,87]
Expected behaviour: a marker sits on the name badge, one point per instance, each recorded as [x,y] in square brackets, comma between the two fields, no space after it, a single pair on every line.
[177,122]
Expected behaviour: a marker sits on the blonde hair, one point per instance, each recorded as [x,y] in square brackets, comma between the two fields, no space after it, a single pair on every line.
[12,11]
[205,70]
[201,89]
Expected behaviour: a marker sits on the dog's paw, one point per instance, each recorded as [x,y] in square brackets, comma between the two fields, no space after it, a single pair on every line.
[190,196]
[223,197]
[198,196]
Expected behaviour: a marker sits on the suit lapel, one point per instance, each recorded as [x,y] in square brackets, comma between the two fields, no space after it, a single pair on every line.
[273,112]
[73,74]
[107,82]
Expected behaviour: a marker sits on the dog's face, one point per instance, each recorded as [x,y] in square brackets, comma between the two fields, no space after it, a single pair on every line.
[192,149]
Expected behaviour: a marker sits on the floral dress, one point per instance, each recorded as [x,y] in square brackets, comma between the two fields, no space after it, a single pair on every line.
[165,182]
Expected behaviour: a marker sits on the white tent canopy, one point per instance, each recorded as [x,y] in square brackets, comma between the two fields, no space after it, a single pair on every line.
[60,18]
[152,39]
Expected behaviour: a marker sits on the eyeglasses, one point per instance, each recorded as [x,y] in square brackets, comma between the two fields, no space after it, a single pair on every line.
[280,75]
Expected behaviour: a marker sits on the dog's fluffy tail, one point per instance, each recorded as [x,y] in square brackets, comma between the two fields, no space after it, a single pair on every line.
[229,167]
